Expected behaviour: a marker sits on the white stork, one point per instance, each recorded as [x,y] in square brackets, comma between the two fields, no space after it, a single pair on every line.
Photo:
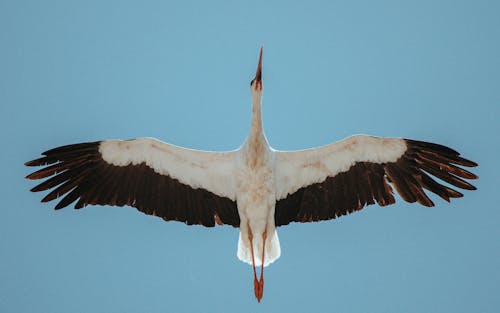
[255,187]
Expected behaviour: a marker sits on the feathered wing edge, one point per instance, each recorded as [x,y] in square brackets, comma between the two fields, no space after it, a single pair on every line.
[79,173]
[365,183]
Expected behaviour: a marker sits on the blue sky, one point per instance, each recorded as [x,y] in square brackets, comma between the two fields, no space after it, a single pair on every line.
[73,71]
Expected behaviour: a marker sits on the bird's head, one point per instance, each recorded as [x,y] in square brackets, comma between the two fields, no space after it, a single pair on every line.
[256,83]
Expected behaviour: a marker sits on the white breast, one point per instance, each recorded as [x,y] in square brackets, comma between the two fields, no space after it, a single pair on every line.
[256,198]
[255,188]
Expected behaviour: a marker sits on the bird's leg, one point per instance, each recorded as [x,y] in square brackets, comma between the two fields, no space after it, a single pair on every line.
[255,281]
[259,285]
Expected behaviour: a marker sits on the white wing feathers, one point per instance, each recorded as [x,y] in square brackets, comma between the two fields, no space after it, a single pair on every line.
[212,171]
[297,169]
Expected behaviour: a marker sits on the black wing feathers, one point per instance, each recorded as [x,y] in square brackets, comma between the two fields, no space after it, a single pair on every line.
[366,182]
[78,172]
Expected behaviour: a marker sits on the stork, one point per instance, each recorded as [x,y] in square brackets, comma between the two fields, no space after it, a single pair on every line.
[254,187]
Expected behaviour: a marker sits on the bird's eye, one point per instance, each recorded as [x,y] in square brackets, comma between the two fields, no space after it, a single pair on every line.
[251,82]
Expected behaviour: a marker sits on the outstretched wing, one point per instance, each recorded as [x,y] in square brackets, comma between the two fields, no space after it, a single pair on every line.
[174,183]
[343,177]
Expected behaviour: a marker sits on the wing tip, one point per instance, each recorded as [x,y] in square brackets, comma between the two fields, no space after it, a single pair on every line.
[31,163]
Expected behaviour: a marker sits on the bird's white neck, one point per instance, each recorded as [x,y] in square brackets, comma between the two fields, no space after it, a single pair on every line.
[256,142]
[256,126]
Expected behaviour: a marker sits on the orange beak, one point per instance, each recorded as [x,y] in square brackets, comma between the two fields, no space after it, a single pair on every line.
[258,74]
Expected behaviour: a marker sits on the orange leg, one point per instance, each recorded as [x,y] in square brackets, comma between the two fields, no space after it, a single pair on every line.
[260,292]
[255,281]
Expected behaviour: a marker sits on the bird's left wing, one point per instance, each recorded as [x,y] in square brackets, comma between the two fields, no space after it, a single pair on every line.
[157,178]
[343,177]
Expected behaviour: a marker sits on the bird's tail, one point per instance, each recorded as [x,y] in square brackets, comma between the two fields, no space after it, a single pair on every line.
[272,253]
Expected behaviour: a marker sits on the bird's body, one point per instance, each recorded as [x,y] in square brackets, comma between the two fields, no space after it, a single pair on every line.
[255,187]
[256,190]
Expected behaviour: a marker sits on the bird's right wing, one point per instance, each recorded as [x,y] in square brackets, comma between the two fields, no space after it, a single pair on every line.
[343,177]
[157,178]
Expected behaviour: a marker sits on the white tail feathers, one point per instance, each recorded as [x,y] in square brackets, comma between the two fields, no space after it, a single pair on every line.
[272,253]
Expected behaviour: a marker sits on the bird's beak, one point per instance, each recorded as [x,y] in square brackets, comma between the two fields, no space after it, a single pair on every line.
[258,74]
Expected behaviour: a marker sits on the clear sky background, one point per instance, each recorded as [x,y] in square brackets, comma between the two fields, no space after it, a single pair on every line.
[74,71]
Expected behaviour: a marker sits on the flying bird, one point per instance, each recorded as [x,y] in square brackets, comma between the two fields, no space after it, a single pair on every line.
[254,187]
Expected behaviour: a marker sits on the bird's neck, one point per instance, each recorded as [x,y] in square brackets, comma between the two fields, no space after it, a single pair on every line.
[256,142]
[256,126]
